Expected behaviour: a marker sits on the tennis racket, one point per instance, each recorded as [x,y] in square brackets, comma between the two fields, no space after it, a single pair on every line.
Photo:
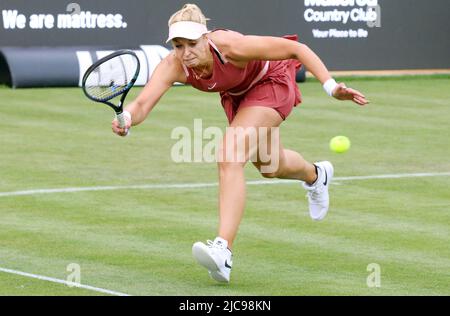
[112,76]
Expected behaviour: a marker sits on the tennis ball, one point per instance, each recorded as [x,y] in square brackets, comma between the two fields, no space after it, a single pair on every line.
[340,144]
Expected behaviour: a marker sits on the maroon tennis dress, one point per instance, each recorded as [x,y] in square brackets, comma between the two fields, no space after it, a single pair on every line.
[261,83]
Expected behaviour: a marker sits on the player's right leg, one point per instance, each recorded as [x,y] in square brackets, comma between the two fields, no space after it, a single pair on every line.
[239,144]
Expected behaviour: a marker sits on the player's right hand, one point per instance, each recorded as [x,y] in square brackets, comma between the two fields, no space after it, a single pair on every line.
[121,131]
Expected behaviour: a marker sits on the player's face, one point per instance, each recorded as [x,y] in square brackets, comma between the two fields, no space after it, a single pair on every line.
[192,53]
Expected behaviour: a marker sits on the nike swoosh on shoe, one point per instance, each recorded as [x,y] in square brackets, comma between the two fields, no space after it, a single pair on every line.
[326,177]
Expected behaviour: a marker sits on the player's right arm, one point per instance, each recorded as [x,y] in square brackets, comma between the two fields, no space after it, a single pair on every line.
[168,71]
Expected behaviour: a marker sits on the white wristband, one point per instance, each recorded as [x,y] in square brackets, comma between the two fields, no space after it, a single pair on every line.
[329,86]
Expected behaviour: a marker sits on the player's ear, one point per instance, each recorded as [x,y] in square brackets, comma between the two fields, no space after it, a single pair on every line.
[205,42]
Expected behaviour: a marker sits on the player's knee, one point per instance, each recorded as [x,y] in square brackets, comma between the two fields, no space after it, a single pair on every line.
[271,175]
[230,159]
[227,166]
[273,169]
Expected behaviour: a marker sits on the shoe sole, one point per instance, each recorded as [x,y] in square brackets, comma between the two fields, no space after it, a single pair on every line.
[216,275]
[201,254]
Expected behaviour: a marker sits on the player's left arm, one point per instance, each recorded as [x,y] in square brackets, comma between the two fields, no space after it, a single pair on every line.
[246,48]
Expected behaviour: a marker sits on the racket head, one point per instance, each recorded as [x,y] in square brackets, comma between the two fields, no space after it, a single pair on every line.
[111,76]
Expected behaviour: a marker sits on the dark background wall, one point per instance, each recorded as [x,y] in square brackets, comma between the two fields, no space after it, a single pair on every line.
[413,34]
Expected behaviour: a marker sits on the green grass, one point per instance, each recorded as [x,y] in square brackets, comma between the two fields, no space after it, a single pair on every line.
[139,241]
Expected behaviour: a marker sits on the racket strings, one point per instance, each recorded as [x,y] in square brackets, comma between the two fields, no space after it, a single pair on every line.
[111,78]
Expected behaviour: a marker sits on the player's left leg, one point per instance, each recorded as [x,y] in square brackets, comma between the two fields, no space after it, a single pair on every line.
[316,178]
[290,164]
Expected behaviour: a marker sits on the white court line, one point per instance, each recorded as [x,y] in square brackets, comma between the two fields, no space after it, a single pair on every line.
[72,284]
[209,185]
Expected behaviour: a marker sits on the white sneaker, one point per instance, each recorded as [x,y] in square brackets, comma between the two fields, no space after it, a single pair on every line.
[216,257]
[319,200]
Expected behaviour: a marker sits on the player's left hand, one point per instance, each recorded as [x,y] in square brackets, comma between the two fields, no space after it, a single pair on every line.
[341,92]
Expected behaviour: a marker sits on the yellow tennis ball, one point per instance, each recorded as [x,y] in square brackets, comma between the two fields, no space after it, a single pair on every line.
[340,144]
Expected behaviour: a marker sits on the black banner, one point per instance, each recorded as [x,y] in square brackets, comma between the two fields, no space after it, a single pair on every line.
[347,34]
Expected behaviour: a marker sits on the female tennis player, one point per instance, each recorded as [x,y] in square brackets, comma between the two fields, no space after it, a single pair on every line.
[255,76]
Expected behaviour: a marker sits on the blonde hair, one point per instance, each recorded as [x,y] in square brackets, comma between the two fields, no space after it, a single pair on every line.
[189,12]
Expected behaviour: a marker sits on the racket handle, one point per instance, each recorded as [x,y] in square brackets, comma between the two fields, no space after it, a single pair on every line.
[121,118]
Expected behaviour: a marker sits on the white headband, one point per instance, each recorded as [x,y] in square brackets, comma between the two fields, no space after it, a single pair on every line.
[186,29]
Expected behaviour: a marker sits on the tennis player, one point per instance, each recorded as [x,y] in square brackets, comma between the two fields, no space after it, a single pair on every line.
[255,76]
